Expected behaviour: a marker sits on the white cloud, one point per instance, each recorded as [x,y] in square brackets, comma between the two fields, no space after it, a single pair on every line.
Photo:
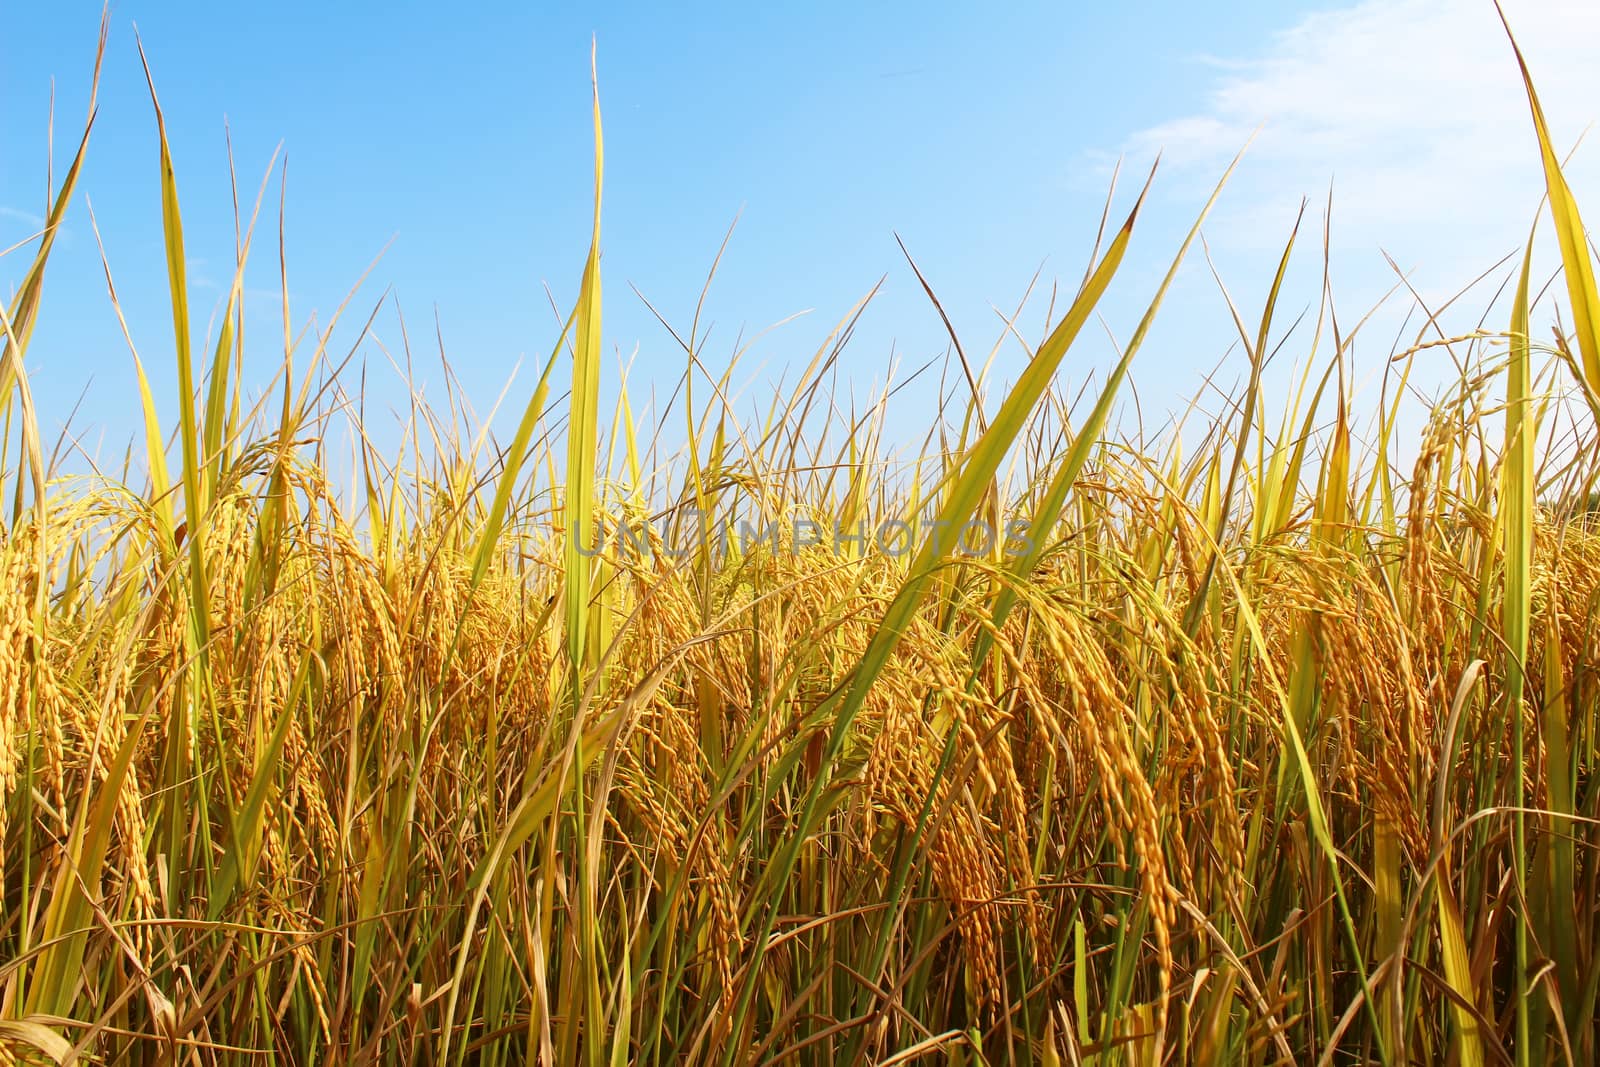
[25,216]
[1414,109]
[19,227]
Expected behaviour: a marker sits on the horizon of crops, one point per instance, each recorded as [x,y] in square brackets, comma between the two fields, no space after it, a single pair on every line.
[1258,749]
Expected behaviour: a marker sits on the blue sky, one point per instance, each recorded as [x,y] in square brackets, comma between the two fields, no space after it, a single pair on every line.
[983,137]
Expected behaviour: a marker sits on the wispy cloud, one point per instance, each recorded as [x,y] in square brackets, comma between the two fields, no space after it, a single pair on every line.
[20,213]
[1413,109]
[28,218]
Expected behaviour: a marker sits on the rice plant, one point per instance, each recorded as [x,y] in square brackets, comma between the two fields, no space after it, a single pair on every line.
[1060,742]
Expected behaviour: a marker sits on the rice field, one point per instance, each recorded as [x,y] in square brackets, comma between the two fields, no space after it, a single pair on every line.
[1055,744]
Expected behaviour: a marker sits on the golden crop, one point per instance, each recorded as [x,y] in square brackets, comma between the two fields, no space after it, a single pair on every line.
[1262,752]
